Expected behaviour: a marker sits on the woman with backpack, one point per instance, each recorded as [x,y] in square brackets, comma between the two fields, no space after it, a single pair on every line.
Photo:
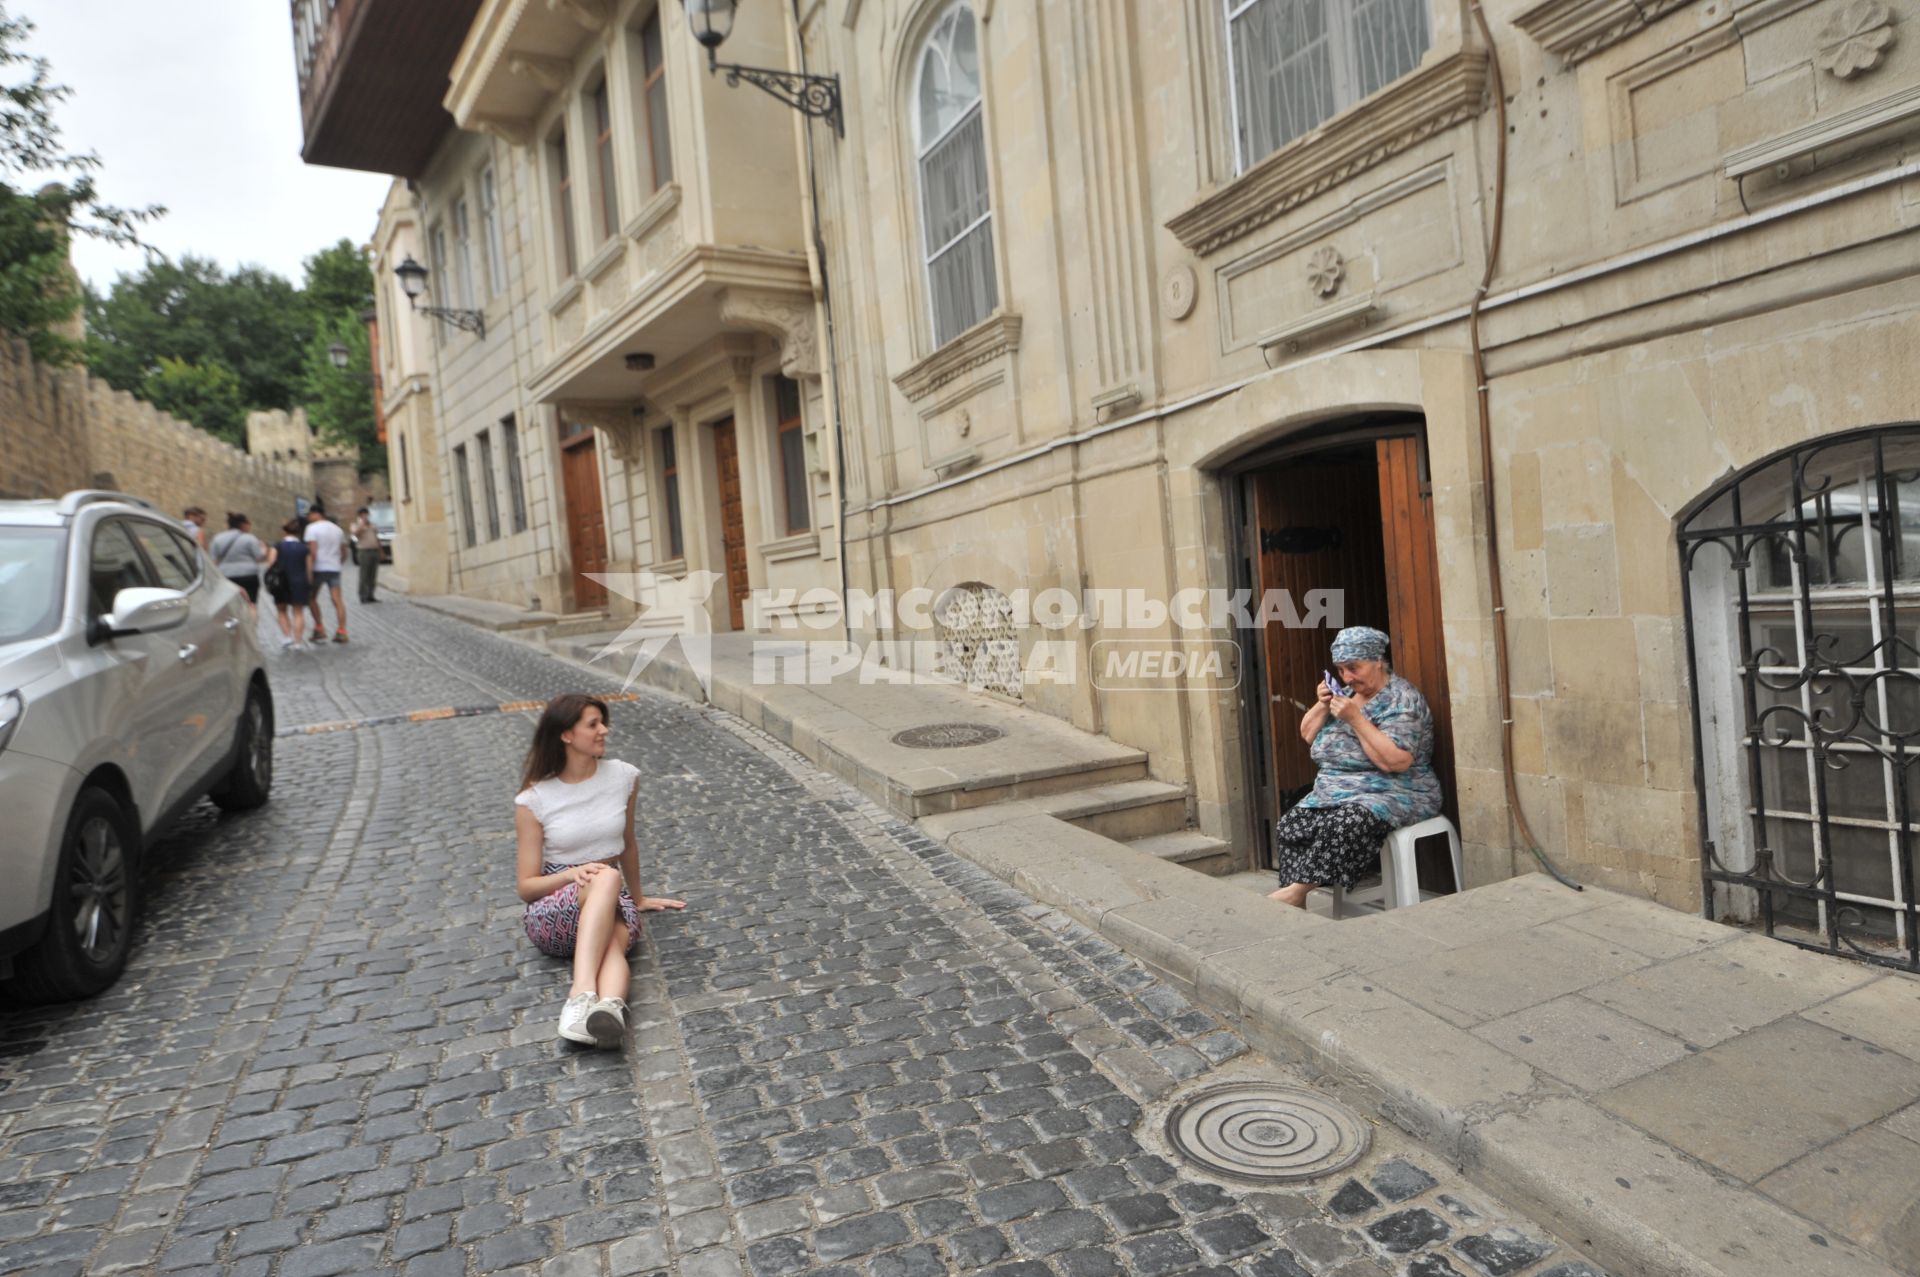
[240,557]
[289,584]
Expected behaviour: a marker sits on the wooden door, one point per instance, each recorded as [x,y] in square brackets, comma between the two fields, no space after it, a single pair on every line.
[586,519]
[733,531]
[1413,606]
[1317,527]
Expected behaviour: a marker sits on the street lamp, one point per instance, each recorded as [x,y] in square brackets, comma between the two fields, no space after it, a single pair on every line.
[338,354]
[814,96]
[413,282]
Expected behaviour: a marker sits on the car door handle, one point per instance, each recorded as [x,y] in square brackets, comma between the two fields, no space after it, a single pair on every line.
[233,622]
[188,650]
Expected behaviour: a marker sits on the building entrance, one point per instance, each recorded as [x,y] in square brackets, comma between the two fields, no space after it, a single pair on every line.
[586,518]
[1351,513]
[733,534]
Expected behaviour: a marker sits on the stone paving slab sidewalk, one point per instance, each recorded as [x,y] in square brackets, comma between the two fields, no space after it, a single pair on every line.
[1673,1095]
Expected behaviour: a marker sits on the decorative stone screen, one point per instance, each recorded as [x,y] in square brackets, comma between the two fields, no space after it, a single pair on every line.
[979,644]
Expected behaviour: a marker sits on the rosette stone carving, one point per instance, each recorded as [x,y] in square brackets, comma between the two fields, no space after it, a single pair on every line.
[1325,269]
[1855,39]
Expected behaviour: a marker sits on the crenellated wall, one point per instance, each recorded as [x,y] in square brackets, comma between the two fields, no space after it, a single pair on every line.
[61,430]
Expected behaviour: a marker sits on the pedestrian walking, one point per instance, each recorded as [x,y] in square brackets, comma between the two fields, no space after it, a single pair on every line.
[288,582]
[194,520]
[329,546]
[366,550]
[574,820]
[241,558]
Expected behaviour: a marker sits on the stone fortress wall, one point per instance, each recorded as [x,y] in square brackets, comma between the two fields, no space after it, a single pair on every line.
[61,429]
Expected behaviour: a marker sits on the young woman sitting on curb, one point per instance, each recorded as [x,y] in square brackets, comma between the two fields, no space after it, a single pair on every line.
[574,820]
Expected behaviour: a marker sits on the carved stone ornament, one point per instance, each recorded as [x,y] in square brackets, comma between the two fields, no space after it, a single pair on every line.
[624,431]
[1855,39]
[786,317]
[1325,269]
[1178,292]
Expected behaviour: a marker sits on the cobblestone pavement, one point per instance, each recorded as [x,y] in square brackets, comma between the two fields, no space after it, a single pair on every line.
[333,1051]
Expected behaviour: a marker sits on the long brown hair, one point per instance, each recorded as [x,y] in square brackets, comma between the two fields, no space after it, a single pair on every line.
[548,753]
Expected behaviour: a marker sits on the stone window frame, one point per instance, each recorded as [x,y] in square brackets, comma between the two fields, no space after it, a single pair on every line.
[486,185]
[651,113]
[603,174]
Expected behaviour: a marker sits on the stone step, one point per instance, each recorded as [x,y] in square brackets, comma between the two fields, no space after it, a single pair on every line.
[1123,811]
[1191,848]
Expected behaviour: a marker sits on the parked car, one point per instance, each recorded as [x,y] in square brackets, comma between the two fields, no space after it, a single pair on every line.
[380,514]
[131,684]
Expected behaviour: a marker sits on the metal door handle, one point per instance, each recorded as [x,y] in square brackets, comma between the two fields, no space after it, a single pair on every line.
[233,622]
[187,651]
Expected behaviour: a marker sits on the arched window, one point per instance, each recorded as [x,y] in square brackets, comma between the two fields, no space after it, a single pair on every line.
[951,144]
[1803,629]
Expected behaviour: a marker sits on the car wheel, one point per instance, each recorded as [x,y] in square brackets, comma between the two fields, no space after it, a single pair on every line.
[96,896]
[251,779]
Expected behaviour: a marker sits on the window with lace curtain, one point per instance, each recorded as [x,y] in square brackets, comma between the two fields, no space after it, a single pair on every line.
[956,214]
[1296,63]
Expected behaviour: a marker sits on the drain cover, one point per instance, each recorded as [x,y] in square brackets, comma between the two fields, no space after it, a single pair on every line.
[947,735]
[1262,1133]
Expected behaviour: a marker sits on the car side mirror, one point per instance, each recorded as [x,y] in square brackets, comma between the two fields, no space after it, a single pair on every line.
[142,610]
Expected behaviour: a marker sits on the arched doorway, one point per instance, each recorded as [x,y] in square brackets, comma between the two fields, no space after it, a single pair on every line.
[1345,507]
[1803,636]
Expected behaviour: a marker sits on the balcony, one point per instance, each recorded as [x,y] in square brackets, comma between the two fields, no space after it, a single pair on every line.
[372,73]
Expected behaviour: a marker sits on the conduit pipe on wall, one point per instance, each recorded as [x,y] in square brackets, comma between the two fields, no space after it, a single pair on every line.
[1502,673]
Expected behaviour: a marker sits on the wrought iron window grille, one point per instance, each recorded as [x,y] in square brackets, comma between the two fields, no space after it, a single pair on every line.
[1801,600]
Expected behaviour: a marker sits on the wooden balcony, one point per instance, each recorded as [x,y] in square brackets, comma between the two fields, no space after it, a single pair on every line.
[372,74]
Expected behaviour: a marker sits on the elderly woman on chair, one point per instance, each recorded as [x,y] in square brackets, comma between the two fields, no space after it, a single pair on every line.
[1373,742]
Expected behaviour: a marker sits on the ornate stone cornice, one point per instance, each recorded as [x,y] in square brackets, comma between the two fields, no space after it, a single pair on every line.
[786,317]
[992,337]
[1578,29]
[1398,117]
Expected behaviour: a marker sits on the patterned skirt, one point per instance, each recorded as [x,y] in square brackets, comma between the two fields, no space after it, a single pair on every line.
[1328,845]
[553,922]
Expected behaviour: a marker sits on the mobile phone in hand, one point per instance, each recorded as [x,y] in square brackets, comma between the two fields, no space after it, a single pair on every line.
[1334,685]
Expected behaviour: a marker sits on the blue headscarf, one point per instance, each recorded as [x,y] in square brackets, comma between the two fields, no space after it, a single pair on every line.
[1359,643]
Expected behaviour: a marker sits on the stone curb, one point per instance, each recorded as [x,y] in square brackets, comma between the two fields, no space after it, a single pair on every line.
[1637,1205]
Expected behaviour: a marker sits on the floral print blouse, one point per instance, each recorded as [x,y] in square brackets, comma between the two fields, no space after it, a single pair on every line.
[1347,775]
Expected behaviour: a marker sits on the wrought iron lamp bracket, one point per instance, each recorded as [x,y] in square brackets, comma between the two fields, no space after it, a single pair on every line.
[814,96]
[472,321]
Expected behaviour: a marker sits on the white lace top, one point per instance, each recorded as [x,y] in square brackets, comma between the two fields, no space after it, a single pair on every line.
[586,821]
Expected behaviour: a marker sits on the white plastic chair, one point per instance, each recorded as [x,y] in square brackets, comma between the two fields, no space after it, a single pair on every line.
[1399,884]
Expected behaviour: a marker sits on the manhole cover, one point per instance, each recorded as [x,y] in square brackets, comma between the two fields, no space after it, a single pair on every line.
[1261,1133]
[947,735]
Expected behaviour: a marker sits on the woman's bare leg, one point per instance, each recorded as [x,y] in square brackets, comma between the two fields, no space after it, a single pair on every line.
[614,975]
[1294,894]
[599,915]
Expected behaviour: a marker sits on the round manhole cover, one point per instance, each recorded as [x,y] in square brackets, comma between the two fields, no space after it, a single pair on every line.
[1261,1133]
[947,735]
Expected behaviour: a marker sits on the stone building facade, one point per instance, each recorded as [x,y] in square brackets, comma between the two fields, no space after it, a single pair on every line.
[1210,329]
[61,430]
[1204,295]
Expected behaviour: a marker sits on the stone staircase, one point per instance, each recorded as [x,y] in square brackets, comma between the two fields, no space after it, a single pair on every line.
[1147,815]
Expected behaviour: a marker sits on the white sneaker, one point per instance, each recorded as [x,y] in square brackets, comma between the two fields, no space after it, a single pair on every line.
[573,1019]
[607,1021]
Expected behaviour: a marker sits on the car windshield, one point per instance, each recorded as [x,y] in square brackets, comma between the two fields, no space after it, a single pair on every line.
[31,582]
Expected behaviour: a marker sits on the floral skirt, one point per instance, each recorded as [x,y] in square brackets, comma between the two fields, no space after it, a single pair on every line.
[1325,846]
[553,922]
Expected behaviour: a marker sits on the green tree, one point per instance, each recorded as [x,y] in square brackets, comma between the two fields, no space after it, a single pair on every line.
[208,395]
[252,322]
[38,292]
[339,401]
[339,280]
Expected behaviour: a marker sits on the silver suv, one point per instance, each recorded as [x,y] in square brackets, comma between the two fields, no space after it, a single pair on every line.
[130,685]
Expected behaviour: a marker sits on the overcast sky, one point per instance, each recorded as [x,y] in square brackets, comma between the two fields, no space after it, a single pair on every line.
[193,104]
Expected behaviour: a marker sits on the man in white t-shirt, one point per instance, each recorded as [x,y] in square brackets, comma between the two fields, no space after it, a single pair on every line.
[327,546]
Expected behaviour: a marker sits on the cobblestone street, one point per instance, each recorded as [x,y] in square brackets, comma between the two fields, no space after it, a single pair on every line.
[334,1052]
